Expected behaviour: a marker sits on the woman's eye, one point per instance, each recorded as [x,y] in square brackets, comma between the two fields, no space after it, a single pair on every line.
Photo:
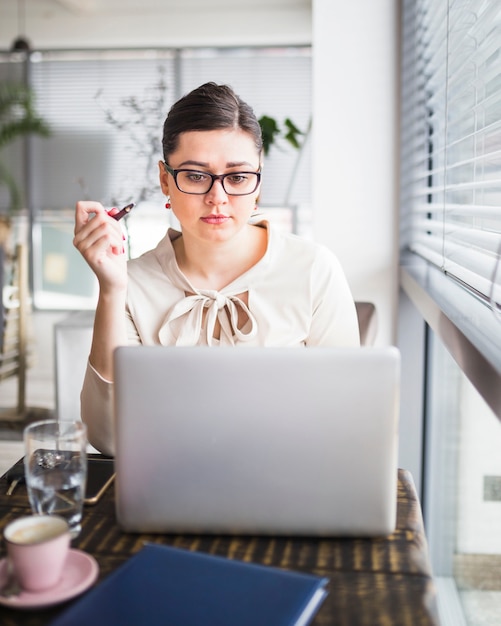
[197,177]
[235,179]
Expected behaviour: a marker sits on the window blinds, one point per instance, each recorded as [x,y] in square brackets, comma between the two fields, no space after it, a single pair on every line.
[87,157]
[451,139]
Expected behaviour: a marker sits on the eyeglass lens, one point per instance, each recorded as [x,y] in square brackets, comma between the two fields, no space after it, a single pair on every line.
[234,183]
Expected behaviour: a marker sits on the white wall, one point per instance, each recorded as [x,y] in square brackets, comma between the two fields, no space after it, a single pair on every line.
[50,24]
[355,137]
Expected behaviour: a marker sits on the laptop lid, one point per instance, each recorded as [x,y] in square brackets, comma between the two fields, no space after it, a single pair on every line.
[285,441]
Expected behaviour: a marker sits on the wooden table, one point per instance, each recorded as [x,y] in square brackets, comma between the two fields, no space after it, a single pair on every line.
[384,581]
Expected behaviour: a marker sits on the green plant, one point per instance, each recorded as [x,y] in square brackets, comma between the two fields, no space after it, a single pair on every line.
[271,131]
[18,118]
[290,133]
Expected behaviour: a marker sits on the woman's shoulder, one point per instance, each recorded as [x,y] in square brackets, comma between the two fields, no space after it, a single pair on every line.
[295,245]
[143,263]
[156,258]
[296,255]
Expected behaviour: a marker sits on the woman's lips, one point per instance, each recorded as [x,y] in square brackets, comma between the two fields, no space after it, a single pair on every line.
[215,219]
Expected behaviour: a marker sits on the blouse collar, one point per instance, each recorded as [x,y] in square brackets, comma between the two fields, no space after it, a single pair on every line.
[222,306]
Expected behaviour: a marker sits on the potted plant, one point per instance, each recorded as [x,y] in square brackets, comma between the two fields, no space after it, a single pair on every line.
[276,134]
[18,118]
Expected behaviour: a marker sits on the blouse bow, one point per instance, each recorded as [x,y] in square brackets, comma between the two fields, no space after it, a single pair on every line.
[219,307]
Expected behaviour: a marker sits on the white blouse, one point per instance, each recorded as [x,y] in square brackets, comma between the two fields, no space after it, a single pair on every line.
[297,295]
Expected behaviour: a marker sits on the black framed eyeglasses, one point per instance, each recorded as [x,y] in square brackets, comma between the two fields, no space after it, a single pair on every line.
[198,183]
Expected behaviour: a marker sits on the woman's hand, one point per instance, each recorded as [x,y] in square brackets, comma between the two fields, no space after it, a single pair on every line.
[100,240]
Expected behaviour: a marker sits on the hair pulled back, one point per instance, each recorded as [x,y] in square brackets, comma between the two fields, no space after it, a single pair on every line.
[209,107]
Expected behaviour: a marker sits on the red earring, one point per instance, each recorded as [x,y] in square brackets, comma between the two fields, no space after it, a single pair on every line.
[167,204]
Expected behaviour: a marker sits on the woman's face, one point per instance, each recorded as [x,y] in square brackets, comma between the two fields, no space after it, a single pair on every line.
[215,215]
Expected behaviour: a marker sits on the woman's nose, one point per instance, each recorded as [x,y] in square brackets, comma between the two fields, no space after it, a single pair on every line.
[216,193]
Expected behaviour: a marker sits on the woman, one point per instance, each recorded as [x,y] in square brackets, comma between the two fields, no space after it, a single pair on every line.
[225,278]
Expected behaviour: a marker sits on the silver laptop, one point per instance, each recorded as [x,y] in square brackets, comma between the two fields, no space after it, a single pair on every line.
[285,441]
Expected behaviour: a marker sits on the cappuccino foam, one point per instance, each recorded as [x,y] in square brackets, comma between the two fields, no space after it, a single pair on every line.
[36,531]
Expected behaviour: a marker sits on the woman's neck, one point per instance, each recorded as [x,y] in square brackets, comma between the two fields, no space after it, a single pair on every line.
[216,265]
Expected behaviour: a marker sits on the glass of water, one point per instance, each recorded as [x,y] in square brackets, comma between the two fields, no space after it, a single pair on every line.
[55,464]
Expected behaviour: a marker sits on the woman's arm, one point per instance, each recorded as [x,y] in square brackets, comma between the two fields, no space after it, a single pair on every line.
[334,321]
[99,238]
[96,405]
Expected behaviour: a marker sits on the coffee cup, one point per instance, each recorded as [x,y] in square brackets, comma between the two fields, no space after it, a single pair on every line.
[37,547]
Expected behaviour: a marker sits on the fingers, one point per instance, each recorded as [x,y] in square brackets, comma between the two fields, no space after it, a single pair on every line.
[96,234]
[85,211]
[92,216]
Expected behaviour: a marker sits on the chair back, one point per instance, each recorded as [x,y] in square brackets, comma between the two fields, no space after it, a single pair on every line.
[367,322]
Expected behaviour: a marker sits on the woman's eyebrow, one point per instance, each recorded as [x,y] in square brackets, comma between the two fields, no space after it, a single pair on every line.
[206,165]
[238,164]
[196,163]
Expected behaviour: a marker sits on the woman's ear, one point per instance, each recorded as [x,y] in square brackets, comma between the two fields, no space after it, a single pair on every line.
[164,178]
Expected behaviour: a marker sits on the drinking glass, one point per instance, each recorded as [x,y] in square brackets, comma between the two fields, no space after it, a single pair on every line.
[55,464]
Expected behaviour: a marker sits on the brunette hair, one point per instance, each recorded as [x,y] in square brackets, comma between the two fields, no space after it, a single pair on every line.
[209,107]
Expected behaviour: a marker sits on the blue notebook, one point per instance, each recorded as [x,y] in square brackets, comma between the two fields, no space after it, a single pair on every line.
[172,586]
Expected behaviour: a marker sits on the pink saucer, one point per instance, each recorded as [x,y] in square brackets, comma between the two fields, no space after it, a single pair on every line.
[80,572]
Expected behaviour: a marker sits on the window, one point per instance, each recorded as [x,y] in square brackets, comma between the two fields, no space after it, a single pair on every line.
[451,149]
[450,267]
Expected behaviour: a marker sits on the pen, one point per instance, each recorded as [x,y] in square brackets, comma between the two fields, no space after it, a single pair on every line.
[123,212]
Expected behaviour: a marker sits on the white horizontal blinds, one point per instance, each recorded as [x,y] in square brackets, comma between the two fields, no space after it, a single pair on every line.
[429,240]
[453,216]
[87,156]
[423,119]
[275,82]
[413,133]
[472,218]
